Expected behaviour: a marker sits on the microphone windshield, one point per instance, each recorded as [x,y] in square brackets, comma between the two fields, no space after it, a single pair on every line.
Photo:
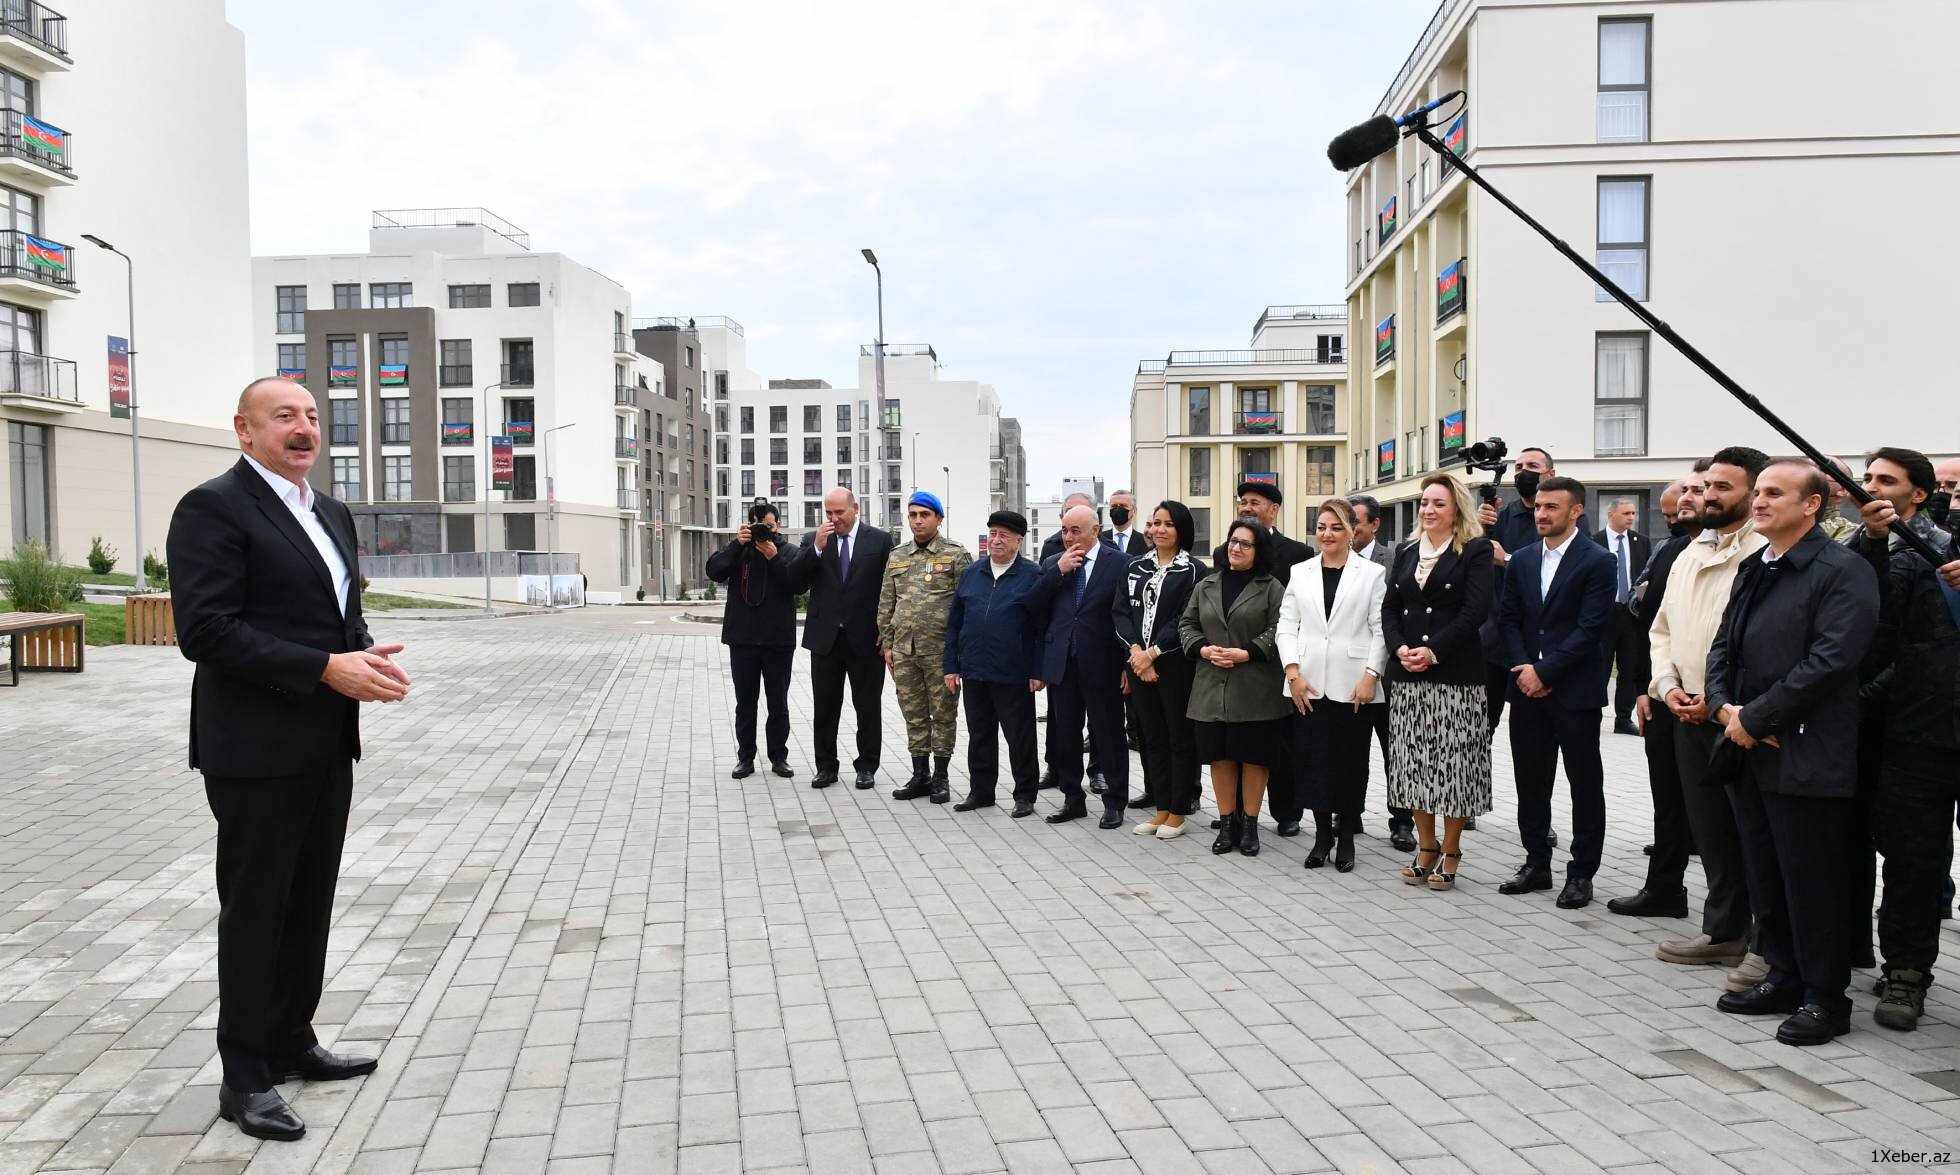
[1358,144]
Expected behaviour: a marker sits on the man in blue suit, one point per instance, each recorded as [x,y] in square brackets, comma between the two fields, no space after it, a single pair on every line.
[1082,662]
[1557,600]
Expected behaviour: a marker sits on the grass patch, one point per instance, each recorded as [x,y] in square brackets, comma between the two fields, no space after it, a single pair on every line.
[105,621]
[383,602]
[109,579]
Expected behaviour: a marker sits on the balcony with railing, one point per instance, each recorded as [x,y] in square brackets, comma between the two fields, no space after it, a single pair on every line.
[1256,423]
[623,344]
[519,375]
[1320,311]
[36,267]
[35,152]
[1452,286]
[629,501]
[622,395]
[626,448]
[28,380]
[33,36]
[898,351]
[1328,354]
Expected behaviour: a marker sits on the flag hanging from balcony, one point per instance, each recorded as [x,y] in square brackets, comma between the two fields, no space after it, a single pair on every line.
[1449,290]
[1451,432]
[1454,139]
[296,374]
[49,140]
[1261,421]
[343,375]
[455,430]
[49,255]
[392,374]
[519,431]
[1385,339]
[1388,219]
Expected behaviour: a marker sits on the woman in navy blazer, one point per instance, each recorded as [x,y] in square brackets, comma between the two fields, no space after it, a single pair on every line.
[1439,595]
[1159,674]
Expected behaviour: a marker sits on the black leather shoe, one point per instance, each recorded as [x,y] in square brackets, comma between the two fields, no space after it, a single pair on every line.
[1098,784]
[1344,851]
[1527,880]
[1812,1025]
[1647,851]
[1551,840]
[1228,834]
[1625,726]
[824,777]
[1218,823]
[1576,895]
[1047,781]
[1764,999]
[317,1064]
[1323,843]
[866,780]
[1470,824]
[743,769]
[1402,838]
[782,768]
[1289,828]
[1248,835]
[1111,818]
[1075,811]
[1022,808]
[1647,904]
[969,804]
[1142,801]
[261,1115]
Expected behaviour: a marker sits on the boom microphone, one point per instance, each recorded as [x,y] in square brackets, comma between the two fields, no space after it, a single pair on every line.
[1358,144]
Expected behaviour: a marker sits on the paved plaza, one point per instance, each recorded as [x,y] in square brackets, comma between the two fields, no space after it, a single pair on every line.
[578,947]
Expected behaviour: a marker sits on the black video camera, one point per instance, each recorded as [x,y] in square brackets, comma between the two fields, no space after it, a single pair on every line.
[762,532]
[1488,456]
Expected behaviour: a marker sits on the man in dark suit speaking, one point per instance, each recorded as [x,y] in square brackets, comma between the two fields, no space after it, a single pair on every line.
[1082,663]
[265,587]
[842,566]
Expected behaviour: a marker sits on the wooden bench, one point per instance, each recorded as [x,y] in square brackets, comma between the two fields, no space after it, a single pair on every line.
[148,620]
[43,642]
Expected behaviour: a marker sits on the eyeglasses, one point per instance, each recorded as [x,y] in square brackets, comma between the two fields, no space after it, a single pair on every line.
[1241,545]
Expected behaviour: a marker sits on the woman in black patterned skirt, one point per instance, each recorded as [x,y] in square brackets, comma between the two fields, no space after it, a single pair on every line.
[1439,594]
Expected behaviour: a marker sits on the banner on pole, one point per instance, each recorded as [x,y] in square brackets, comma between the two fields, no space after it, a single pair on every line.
[503,463]
[118,378]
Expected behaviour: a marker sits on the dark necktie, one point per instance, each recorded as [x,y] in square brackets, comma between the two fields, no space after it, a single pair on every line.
[1625,578]
[843,557]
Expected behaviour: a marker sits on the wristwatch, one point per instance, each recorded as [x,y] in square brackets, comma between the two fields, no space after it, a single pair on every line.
[1371,671]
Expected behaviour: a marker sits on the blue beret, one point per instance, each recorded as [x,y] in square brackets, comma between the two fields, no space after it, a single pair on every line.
[929,501]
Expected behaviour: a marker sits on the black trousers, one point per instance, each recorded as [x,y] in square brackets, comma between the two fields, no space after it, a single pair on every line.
[1170,752]
[866,673]
[1794,850]
[279,843]
[1542,731]
[1377,716]
[1006,707]
[1497,686]
[1071,700]
[1330,749]
[1914,825]
[1673,840]
[1624,643]
[1726,916]
[759,669]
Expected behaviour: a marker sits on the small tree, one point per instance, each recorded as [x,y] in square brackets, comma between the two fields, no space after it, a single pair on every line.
[101,557]
[156,571]
[34,579]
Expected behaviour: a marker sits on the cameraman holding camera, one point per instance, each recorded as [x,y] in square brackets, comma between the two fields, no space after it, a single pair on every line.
[758,624]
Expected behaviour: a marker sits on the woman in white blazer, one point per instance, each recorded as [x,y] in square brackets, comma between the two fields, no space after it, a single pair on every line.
[1330,643]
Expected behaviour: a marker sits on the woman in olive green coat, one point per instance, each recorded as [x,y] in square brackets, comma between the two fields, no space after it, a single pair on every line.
[1238,699]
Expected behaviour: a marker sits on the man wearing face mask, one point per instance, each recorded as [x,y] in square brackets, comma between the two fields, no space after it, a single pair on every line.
[1946,480]
[1510,529]
[1123,533]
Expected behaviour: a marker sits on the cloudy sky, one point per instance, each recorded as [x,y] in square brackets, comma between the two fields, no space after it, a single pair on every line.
[1055,190]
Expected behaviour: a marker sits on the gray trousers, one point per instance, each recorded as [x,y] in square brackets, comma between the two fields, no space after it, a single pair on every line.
[1725,917]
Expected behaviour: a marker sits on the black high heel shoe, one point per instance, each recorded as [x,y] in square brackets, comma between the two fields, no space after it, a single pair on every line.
[1344,851]
[1228,833]
[1323,841]
[1418,874]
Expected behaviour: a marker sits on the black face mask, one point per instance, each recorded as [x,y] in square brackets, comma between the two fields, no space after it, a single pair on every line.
[1527,482]
[1678,528]
[1120,515]
[1939,507]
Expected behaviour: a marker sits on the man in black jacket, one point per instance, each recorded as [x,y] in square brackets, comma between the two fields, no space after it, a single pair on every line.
[842,566]
[758,624]
[1783,683]
[265,584]
[1625,640]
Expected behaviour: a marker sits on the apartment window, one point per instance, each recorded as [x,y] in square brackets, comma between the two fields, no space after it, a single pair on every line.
[721,418]
[1319,472]
[347,296]
[459,479]
[347,479]
[29,482]
[1201,528]
[843,450]
[519,365]
[843,418]
[292,357]
[812,450]
[1620,394]
[1623,226]
[813,483]
[1255,399]
[524,478]
[748,450]
[394,420]
[1256,460]
[520,532]
[397,480]
[689,444]
[344,422]
[812,417]
[894,414]
[1200,473]
[520,419]
[1329,348]
[748,420]
[21,212]
[748,483]
[721,483]
[778,451]
[864,414]
[389,295]
[458,420]
[1200,418]
[343,361]
[460,531]
[457,370]
[16,92]
[721,450]
[690,357]
[469,297]
[394,534]
[1320,411]
[292,309]
[779,418]
[844,478]
[523,293]
[778,483]
[1625,58]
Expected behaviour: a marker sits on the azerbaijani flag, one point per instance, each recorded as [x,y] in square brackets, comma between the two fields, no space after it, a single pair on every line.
[1385,337]
[343,375]
[1453,138]
[519,431]
[49,255]
[296,374]
[1260,419]
[1453,430]
[48,140]
[1271,479]
[455,430]
[1385,458]
[1388,219]
[393,374]
[1448,285]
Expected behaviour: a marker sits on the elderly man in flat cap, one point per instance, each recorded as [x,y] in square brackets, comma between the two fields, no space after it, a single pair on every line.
[992,639]
[920,580]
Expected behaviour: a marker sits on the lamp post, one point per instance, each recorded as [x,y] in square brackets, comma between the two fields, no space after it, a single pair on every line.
[135,431]
[948,471]
[915,460]
[489,476]
[878,362]
[551,521]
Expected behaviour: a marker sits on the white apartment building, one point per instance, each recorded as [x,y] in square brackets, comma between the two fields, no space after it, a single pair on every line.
[122,124]
[1679,145]
[447,331]
[1202,422]
[1044,519]
[793,439]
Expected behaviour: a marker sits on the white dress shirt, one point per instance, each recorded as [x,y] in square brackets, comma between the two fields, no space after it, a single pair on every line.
[298,498]
[1367,553]
[1120,539]
[1548,566]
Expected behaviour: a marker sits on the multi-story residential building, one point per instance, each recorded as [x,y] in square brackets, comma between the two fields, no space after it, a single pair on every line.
[1044,519]
[122,125]
[1632,132]
[1201,422]
[1092,486]
[1012,490]
[677,462]
[449,329]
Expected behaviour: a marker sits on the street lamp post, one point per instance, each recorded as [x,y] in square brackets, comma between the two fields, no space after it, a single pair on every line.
[948,471]
[489,476]
[878,363]
[135,430]
[551,522]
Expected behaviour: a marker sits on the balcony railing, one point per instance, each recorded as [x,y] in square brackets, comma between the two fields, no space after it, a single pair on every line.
[627,447]
[623,394]
[26,257]
[1150,367]
[1255,423]
[629,500]
[455,375]
[26,137]
[23,373]
[898,350]
[1328,354]
[1288,313]
[37,24]
[623,344]
[519,375]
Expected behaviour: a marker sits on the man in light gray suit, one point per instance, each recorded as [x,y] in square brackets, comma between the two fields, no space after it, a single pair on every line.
[1367,525]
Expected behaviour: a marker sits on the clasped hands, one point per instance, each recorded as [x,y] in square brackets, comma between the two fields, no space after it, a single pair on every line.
[367,675]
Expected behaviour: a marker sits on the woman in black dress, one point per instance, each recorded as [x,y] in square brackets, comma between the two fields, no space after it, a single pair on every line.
[1159,676]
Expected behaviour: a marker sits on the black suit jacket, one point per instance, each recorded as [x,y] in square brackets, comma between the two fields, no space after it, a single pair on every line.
[1051,546]
[1091,626]
[1559,632]
[256,612]
[761,607]
[1134,547]
[1445,614]
[1639,550]
[841,611]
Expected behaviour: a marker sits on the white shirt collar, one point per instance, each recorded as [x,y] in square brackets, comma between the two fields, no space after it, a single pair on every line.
[1367,552]
[1558,552]
[298,496]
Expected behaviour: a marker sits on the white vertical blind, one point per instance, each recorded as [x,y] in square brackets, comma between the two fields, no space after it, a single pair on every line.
[1622,254]
[1622,116]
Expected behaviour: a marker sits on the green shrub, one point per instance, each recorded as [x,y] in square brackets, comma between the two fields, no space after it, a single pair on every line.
[101,558]
[35,580]
[714,592]
[155,571]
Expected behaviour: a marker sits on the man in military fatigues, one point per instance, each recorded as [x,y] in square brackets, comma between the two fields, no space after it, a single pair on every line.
[920,580]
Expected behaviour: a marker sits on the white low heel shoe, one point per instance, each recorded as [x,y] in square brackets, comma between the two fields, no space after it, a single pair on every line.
[1147,829]
[1171,832]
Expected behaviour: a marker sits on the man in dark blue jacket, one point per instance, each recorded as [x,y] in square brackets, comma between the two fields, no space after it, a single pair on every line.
[1083,663]
[1558,597]
[991,638]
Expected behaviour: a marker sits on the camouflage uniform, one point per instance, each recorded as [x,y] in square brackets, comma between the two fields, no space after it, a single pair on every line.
[1836,525]
[913,606]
